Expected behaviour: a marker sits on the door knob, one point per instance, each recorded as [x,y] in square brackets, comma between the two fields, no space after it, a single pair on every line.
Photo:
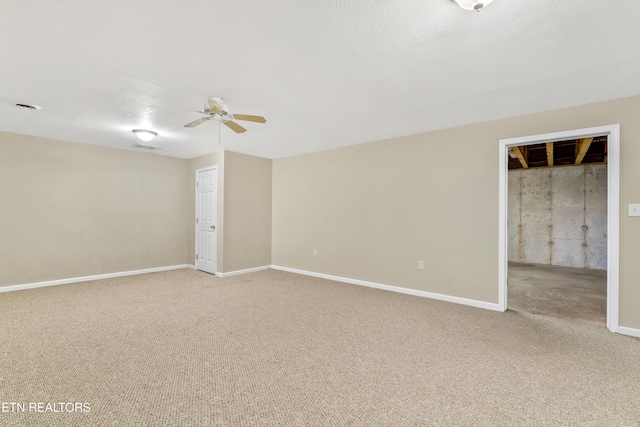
[213,227]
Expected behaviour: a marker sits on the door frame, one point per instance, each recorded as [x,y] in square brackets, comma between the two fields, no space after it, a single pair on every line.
[613,211]
[195,216]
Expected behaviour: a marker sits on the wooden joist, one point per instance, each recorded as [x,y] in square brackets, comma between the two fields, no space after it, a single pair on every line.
[520,156]
[549,153]
[584,147]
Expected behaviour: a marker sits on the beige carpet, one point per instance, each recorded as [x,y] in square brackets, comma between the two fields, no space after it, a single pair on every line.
[184,348]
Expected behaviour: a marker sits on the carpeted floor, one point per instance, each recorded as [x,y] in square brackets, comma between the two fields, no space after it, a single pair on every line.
[184,348]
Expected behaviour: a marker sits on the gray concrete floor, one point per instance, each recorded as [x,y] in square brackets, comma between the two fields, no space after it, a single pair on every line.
[576,294]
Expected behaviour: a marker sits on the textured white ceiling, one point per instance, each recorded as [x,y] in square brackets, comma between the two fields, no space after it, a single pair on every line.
[324,73]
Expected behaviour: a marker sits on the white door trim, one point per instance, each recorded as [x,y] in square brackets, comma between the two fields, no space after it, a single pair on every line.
[195,217]
[613,211]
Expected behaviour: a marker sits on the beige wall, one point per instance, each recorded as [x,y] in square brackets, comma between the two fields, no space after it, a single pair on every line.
[244,209]
[247,212]
[70,210]
[373,210]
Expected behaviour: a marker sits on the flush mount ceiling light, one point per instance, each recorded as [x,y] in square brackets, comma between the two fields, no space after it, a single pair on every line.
[476,5]
[145,135]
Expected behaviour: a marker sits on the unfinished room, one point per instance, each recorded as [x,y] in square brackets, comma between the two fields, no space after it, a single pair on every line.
[388,213]
[558,229]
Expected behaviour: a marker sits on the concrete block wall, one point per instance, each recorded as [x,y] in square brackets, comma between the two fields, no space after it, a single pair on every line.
[558,216]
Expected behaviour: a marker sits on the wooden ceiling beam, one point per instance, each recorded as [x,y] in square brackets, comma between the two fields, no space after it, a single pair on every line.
[549,153]
[584,147]
[520,156]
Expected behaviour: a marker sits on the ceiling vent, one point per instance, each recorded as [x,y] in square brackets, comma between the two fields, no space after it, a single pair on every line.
[29,106]
[145,146]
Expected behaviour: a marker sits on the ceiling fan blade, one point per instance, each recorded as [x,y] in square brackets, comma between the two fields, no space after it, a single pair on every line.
[249,118]
[197,122]
[234,126]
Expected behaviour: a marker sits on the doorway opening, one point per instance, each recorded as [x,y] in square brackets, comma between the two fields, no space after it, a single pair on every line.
[559,219]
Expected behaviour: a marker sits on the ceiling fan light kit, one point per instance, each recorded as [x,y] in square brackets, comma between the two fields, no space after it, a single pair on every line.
[476,5]
[145,135]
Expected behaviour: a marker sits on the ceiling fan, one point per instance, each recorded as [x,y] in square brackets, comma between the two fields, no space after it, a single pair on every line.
[215,108]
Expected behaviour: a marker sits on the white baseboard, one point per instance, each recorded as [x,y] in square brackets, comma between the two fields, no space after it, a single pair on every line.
[88,278]
[629,331]
[248,270]
[441,297]
[623,330]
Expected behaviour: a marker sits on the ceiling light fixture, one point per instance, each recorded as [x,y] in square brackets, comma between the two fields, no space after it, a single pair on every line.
[145,135]
[476,5]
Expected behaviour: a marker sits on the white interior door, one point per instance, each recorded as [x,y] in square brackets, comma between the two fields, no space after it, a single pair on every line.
[206,220]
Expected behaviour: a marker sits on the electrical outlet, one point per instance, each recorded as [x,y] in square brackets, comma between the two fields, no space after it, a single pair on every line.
[420,265]
[315,252]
